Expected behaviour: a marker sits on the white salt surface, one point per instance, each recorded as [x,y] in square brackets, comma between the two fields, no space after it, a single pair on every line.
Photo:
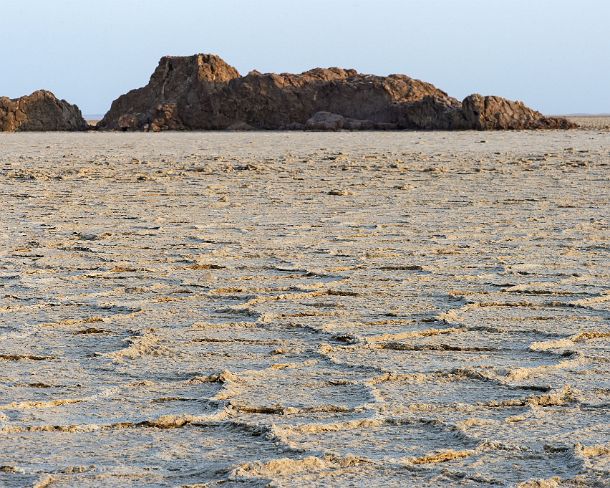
[302,309]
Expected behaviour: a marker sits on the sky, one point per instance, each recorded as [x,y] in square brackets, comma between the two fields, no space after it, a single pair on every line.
[552,54]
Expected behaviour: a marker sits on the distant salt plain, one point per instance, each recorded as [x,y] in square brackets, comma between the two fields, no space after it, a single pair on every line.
[305,309]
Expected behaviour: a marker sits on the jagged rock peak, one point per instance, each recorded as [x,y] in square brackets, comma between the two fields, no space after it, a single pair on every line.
[206,67]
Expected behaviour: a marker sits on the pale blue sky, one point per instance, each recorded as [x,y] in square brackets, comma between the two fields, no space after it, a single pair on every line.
[552,54]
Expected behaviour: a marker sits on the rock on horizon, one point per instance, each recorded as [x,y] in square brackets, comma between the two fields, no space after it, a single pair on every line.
[40,111]
[203,92]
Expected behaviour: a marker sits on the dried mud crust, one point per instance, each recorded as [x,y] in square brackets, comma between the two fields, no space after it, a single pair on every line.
[304,309]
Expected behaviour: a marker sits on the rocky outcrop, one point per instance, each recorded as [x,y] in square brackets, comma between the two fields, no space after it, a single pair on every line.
[202,92]
[493,113]
[40,111]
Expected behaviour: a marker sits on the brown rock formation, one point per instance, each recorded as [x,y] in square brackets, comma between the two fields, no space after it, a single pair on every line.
[493,113]
[203,92]
[40,111]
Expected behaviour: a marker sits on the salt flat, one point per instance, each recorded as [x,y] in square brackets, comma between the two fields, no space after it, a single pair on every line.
[305,309]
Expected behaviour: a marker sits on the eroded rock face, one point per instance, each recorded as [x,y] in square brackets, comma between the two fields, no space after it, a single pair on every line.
[202,92]
[40,111]
[492,113]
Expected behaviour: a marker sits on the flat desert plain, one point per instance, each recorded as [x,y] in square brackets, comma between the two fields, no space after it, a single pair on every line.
[305,309]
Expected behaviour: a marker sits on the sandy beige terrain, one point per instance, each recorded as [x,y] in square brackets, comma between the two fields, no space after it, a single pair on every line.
[305,309]
[591,121]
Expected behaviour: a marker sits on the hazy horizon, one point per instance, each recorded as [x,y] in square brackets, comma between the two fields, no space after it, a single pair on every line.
[553,55]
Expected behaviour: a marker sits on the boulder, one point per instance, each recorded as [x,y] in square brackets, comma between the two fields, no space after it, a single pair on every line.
[40,111]
[202,92]
[240,127]
[325,121]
